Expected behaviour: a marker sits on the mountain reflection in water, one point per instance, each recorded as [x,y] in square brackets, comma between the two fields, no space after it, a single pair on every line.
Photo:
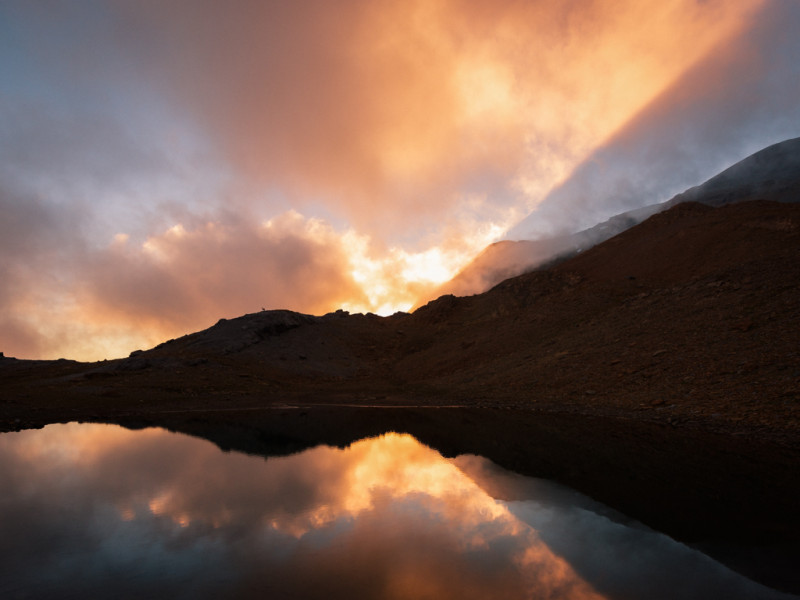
[102,511]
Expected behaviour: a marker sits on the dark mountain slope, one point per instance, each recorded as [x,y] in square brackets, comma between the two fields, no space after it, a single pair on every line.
[693,312]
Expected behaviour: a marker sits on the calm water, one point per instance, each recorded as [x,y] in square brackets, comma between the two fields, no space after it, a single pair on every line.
[98,511]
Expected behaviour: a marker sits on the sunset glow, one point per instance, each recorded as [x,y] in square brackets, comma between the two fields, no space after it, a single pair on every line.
[314,156]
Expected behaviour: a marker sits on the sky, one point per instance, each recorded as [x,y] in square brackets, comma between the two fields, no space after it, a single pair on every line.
[165,165]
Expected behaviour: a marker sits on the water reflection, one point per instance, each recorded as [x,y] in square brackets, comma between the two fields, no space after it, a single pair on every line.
[97,510]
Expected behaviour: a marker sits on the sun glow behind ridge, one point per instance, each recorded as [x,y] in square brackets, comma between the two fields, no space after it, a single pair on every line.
[394,280]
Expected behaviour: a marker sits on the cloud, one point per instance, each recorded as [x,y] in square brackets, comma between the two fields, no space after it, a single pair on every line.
[176,282]
[58,290]
[233,267]
[739,99]
[62,297]
[392,111]
[35,238]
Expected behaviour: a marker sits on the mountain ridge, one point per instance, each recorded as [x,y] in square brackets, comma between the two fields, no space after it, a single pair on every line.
[771,173]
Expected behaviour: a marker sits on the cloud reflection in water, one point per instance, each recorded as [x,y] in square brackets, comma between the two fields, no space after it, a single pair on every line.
[101,510]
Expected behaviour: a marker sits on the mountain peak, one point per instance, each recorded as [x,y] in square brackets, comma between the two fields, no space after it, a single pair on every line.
[770,174]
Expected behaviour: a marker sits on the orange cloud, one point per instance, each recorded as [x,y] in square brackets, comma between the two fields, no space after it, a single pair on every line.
[133,295]
[391,110]
[184,280]
[110,301]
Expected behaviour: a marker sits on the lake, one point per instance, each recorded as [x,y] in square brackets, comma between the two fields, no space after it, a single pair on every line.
[99,511]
